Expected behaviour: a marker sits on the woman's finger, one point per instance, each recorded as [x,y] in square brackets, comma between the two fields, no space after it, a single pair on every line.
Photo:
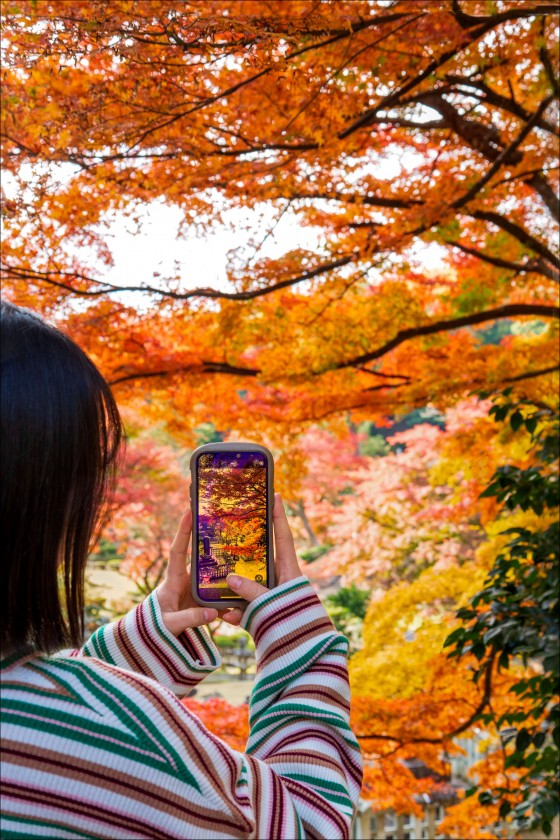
[246,588]
[177,622]
[178,555]
[233,617]
[287,567]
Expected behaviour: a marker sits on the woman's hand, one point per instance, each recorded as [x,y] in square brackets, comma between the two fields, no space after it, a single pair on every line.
[286,564]
[179,609]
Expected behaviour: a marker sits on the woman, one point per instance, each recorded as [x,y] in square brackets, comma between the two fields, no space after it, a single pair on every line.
[95,740]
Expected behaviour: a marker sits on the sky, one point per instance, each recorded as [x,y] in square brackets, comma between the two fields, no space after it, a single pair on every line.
[154,250]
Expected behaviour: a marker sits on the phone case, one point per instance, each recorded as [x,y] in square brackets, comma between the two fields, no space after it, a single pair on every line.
[227,603]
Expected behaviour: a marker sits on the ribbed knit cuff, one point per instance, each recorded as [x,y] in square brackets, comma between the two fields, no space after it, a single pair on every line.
[284,618]
[293,635]
[140,642]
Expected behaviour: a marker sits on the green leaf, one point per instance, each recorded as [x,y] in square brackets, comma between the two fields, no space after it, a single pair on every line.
[479,650]
[531,424]
[522,741]
[539,739]
[456,634]
[516,420]
[550,663]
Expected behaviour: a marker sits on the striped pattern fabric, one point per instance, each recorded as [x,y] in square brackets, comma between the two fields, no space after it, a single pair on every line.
[96,743]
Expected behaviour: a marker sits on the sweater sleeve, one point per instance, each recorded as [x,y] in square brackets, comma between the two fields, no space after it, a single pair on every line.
[300,713]
[140,642]
[301,774]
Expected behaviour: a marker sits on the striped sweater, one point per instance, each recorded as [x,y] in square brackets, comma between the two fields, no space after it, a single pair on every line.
[97,744]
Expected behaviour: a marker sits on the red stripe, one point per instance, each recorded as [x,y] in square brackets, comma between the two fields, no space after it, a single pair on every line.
[137,663]
[303,753]
[96,812]
[222,749]
[167,665]
[354,769]
[189,645]
[188,735]
[257,789]
[309,835]
[315,692]
[318,802]
[278,617]
[118,780]
[328,667]
[287,642]
[183,730]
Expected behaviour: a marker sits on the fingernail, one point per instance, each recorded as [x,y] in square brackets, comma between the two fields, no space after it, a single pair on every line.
[210,615]
[233,581]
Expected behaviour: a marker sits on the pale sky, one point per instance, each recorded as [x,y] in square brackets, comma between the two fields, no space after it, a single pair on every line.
[201,262]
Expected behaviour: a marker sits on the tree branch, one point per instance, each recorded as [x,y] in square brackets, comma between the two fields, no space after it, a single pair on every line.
[532,374]
[549,68]
[507,311]
[517,232]
[467,21]
[482,24]
[504,156]
[531,266]
[540,184]
[352,28]
[484,701]
[384,375]
[203,368]
[370,200]
[109,288]
[486,94]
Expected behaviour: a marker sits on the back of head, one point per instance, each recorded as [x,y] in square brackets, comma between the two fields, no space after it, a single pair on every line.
[60,434]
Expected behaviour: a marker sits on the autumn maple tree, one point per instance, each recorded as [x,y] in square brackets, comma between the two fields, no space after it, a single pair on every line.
[387,130]
[452,524]
[384,125]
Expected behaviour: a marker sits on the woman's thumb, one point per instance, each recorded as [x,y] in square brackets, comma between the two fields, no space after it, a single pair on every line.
[181,620]
[246,588]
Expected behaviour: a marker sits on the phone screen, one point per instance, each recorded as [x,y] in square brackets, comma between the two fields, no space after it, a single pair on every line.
[231,520]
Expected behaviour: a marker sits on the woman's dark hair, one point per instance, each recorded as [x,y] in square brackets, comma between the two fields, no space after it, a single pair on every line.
[61,432]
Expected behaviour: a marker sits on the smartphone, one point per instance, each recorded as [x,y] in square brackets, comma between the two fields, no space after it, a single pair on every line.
[232,496]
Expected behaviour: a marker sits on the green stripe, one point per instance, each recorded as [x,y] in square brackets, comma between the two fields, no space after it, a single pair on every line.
[176,647]
[135,736]
[335,787]
[294,718]
[88,679]
[59,721]
[274,596]
[47,727]
[200,635]
[9,660]
[72,831]
[100,639]
[306,711]
[92,643]
[242,777]
[47,693]
[274,683]
[317,786]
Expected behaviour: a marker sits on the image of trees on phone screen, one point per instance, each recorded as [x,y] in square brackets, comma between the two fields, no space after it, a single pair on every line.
[231,519]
